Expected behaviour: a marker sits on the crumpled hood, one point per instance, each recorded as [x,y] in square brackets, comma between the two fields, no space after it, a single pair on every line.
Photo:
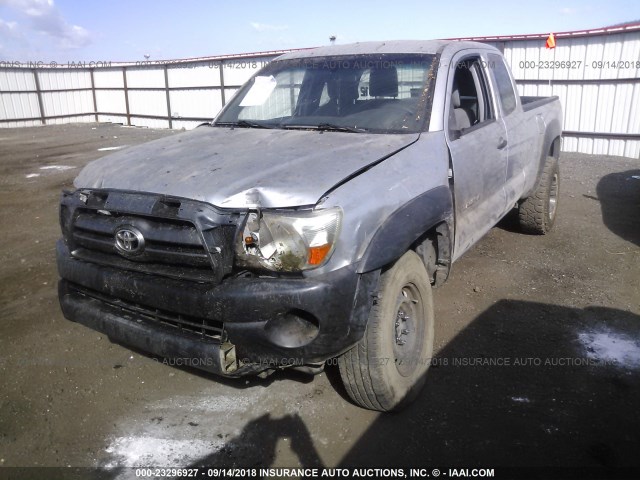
[242,167]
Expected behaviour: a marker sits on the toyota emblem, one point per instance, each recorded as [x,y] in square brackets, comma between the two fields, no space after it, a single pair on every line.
[129,240]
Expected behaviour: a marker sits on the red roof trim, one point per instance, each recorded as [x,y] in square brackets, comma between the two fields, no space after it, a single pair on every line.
[629,27]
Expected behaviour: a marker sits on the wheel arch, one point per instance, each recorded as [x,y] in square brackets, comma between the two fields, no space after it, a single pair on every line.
[427,219]
[550,148]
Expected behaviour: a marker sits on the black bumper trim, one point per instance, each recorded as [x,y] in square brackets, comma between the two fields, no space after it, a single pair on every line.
[134,332]
[340,301]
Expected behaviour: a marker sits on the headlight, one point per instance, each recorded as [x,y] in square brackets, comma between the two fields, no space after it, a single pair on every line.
[288,242]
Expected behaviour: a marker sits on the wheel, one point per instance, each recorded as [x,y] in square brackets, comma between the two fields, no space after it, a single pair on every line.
[386,370]
[538,212]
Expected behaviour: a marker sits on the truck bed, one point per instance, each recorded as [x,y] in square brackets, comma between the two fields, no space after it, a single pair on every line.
[529,103]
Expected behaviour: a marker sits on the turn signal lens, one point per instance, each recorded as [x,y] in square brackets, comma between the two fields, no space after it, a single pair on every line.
[317,254]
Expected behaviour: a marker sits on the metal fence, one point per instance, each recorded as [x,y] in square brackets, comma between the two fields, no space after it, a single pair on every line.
[173,94]
[596,74]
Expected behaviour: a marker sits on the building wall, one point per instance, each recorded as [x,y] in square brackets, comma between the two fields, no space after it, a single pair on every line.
[174,94]
[597,78]
[596,75]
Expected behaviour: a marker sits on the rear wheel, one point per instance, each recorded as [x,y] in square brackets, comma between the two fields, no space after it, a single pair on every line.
[538,212]
[386,369]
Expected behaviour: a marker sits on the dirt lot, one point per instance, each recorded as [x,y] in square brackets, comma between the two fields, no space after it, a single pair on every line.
[556,316]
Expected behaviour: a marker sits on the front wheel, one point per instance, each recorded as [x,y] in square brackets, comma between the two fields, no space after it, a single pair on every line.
[386,369]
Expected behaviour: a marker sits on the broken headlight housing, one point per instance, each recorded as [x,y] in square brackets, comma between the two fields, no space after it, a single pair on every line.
[288,241]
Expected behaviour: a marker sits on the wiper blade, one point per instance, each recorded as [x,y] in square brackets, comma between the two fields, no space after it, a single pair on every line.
[323,127]
[338,128]
[243,124]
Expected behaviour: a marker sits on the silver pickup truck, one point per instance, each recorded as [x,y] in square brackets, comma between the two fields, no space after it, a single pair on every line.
[310,220]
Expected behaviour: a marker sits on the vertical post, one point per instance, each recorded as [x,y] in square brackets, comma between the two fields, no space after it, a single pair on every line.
[222,82]
[39,93]
[93,92]
[166,89]
[126,95]
[292,96]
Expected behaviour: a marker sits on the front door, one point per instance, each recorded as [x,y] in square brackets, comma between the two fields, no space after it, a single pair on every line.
[477,143]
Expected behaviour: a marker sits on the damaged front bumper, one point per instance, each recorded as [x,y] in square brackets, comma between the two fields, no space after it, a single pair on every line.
[243,325]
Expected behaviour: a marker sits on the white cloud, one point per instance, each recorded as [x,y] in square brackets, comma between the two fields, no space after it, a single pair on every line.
[7,28]
[45,18]
[10,35]
[568,11]
[265,27]
[32,8]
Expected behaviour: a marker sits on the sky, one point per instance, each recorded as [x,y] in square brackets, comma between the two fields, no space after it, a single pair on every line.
[118,30]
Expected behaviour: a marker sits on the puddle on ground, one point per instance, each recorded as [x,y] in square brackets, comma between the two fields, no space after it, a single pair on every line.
[60,168]
[137,451]
[618,348]
[50,169]
[180,430]
[108,149]
[520,399]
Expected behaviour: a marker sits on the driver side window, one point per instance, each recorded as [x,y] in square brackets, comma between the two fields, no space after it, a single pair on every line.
[470,104]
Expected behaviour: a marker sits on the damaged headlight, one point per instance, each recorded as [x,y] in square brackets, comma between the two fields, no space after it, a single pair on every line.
[288,242]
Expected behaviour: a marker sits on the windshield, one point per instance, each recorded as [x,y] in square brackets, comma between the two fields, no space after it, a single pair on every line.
[357,93]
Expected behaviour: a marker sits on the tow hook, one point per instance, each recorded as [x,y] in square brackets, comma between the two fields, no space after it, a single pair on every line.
[228,359]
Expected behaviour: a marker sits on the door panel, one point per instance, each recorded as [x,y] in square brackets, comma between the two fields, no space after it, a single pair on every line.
[479,174]
[478,146]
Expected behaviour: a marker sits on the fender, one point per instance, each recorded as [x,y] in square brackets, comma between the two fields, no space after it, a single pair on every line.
[406,225]
[553,132]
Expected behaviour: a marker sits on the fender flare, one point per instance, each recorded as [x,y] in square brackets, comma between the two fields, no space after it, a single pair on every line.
[552,133]
[405,226]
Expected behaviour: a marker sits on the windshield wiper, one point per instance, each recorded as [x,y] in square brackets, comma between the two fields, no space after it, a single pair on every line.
[324,127]
[330,127]
[243,124]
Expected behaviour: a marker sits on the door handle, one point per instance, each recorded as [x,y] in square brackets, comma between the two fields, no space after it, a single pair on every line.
[502,143]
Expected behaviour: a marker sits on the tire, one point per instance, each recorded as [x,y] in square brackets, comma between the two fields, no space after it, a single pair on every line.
[538,212]
[380,372]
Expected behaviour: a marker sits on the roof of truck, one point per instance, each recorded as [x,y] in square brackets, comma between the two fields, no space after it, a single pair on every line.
[392,46]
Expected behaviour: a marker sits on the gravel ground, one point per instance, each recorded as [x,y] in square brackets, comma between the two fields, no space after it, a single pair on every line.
[538,349]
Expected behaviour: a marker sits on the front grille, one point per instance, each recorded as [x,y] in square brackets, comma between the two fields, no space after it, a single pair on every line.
[191,326]
[183,239]
[171,242]
[201,275]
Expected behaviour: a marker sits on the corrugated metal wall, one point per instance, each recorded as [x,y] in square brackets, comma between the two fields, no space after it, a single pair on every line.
[179,94]
[16,106]
[596,74]
[598,81]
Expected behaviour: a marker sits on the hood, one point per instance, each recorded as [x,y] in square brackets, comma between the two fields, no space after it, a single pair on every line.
[242,167]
